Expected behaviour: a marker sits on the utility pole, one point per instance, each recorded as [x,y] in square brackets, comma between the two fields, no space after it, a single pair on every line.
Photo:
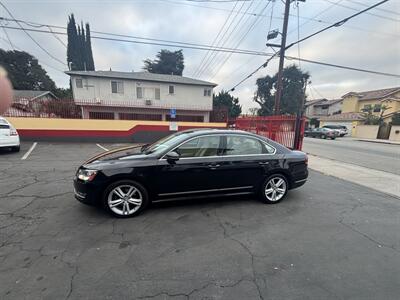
[278,93]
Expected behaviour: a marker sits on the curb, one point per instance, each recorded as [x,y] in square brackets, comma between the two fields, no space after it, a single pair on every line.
[380,142]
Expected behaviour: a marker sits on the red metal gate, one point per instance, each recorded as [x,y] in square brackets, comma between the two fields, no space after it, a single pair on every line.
[278,128]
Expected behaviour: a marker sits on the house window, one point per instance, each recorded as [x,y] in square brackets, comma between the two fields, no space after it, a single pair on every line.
[101,115]
[139,92]
[207,92]
[377,108]
[171,89]
[367,107]
[157,93]
[185,118]
[79,83]
[117,87]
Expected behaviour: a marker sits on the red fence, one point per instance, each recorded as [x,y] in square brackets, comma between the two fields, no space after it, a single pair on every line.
[281,129]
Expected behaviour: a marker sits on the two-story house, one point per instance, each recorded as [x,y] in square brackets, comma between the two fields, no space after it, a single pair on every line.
[141,96]
[322,107]
[355,103]
[377,99]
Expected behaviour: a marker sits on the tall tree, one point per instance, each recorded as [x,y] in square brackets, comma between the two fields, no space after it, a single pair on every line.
[25,72]
[79,50]
[224,99]
[166,62]
[294,81]
[89,53]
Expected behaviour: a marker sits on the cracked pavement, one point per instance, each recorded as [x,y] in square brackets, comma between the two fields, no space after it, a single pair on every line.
[330,239]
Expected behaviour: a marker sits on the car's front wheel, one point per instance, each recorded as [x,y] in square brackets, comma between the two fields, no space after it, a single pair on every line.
[274,189]
[125,198]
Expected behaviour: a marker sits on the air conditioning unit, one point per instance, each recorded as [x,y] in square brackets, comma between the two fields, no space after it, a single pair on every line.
[148,102]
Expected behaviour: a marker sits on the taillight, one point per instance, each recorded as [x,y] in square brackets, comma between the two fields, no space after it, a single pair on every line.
[13,131]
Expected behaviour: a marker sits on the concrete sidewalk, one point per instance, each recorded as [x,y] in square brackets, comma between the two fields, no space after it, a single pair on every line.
[378,141]
[384,182]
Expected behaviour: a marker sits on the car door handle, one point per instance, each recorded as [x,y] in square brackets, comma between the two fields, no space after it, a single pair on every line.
[212,166]
[263,163]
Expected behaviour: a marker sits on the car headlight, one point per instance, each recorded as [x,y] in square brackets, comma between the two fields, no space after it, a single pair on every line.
[86,175]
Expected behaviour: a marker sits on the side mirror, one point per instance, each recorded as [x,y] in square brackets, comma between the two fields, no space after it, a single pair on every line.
[172,156]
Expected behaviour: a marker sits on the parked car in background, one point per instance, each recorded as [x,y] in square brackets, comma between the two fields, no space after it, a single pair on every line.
[323,133]
[9,137]
[342,130]
[190,164]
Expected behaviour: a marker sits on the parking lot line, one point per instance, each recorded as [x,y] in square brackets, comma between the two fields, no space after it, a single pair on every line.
[100,146]
[29,151]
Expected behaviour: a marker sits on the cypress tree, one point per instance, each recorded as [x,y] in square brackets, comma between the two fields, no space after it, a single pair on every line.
[79,50]
[89,53]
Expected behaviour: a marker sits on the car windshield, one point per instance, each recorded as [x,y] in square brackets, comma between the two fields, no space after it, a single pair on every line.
[165,143]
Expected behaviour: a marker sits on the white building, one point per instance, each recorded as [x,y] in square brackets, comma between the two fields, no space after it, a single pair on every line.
[141,96]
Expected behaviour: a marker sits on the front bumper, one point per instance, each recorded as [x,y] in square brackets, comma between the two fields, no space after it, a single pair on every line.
[87,192]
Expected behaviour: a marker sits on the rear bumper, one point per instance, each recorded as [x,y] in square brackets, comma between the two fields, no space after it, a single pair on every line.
[12,141]
[298,183]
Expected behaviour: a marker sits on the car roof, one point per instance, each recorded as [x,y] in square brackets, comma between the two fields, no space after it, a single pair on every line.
[208,131]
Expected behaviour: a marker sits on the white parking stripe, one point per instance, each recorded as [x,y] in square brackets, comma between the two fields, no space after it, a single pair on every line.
[100,146]
[29,151]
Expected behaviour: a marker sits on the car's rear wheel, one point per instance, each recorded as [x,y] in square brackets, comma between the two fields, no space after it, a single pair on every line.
[323,136]
[125,198]
[15,149]
[274,189]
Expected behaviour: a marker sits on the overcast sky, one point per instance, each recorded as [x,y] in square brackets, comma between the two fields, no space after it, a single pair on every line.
[367,41]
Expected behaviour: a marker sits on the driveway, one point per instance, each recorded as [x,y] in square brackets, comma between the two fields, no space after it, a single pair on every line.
[328,240]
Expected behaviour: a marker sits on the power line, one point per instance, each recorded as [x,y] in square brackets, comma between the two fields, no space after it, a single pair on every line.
[43,63]
[315,16]
[171,44]
[371,14]
[251,27]
[378,8]
[216,37]
[30,36]
[223,40]
[343,67]
[337,24]
[6,33]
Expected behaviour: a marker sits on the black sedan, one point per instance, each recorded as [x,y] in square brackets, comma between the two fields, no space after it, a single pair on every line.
[189,164]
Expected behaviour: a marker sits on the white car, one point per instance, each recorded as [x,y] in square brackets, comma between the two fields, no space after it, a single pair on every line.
[9,137]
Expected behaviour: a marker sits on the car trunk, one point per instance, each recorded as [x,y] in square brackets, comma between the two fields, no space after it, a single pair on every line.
[4,131]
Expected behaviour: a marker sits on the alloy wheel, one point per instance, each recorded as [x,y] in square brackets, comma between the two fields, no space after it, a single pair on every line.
[125,199]
[275,189]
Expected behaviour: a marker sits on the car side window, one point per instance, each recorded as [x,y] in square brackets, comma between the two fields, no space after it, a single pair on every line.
[199,147]
[242,145]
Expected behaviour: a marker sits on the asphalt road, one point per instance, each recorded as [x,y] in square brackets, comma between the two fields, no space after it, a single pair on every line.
[383,157]
[329,239]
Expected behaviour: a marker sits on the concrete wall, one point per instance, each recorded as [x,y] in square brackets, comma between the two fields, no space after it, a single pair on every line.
[395,133]
[185,96]
[366,131]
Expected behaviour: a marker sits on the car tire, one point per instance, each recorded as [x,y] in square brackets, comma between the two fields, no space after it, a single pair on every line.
[281,188]
[128,204]
[332,138]
[323,136]
[15,149]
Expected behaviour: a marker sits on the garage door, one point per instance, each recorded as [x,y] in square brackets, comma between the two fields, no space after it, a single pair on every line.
[347,124]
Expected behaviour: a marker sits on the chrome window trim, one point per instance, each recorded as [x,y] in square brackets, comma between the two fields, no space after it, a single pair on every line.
[237,155]
[206,191]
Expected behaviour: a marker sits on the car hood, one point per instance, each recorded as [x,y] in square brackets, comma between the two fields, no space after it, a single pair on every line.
[116,157]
